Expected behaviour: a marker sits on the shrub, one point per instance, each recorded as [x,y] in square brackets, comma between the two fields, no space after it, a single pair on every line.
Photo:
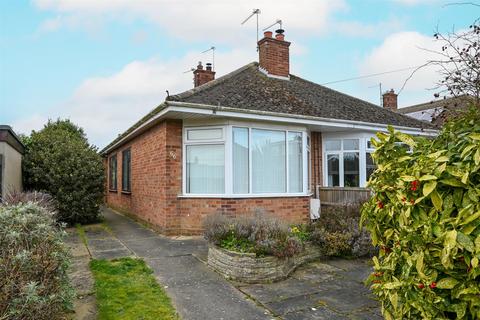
[259,234]
[59,161]
[41,199]
[425,216]
[34,262]
[337,232]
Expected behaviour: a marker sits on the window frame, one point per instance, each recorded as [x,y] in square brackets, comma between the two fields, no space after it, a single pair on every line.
[227,141]
[110,172]
[362,151]
[128,188]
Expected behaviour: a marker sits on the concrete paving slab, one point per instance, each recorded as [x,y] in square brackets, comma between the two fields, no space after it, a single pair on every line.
[112,254]
[320,313]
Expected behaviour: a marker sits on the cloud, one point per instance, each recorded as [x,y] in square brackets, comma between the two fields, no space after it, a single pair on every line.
[402,50]
[215,20]
[108,105]
[414,2]
[359,29]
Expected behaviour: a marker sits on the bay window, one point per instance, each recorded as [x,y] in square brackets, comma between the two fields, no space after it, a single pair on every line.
[236,160]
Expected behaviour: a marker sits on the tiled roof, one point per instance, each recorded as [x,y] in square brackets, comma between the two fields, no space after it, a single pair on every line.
[248,88]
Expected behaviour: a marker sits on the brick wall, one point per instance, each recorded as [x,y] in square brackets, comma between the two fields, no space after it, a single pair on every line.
[156,183]
[316,160]
[274,55]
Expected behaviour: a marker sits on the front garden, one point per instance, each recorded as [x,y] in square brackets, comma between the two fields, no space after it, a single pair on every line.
[262,248]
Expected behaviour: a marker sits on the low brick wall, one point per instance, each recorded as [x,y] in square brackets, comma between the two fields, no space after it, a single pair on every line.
[247,268]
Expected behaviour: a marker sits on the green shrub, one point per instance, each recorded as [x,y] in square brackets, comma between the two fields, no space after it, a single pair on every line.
[425,217]
[259,234]
[58,160]
[34,262]
[337,232]
[41,199]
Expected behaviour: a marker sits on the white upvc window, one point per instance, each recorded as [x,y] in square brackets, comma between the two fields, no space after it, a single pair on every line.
[204,165]
[347,160]
[240,161]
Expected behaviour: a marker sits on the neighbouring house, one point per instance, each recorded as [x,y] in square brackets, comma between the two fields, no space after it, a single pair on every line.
[435,112]
[258,138]
[11,152]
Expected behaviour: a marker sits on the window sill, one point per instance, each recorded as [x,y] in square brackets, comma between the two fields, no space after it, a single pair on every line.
[245,196]
[113,190]
[126,192]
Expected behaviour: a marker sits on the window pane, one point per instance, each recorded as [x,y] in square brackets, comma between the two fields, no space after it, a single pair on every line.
[268,161]
[333,145]
[204,134]
[333,166]
[370,165]
[295,162]
[309,165]
[240,160]
[350,144]
[205,169]
[113,173]
[351,169]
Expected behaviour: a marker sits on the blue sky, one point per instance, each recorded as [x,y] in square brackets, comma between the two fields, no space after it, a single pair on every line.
[106,63]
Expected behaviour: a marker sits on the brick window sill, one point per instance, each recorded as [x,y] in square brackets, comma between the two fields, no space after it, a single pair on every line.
[126,192]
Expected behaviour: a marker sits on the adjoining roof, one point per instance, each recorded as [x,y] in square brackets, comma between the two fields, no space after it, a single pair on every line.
[460,101]
[8,136]
[249,89]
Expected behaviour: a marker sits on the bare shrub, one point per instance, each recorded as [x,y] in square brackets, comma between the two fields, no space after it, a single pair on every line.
[42,199]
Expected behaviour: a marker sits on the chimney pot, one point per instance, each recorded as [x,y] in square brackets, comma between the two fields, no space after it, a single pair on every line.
[199,66]
[209,67]
[268,34]
[280,36]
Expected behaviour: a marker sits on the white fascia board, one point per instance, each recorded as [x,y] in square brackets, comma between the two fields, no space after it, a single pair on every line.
[297,119]
[185,107]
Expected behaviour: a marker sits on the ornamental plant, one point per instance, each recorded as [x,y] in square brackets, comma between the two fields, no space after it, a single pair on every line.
[425,217]
[34,262]
[59,161]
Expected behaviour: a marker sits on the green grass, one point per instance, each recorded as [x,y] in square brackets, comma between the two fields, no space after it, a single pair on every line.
[81,233]
[126,289]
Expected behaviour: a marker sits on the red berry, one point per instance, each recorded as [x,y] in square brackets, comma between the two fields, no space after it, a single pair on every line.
[421,286]
[414,185]
[380,204]
[433,285]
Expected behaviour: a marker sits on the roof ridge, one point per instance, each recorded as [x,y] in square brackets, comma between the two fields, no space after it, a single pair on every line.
[418,105]
[205,86]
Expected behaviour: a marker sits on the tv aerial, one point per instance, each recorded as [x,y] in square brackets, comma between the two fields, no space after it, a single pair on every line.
[212,48]
[279,22]
[255,12]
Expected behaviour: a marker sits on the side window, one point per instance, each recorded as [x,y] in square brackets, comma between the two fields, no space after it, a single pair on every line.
[126,170]
[112,178]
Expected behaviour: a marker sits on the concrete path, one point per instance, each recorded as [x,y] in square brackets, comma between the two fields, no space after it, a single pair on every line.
[196,291]
[330,289]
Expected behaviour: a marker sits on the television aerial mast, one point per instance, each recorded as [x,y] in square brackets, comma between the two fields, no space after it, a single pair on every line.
[255,12]
[212,48]
[279,22]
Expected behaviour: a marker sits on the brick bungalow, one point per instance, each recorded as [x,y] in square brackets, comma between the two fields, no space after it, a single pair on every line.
[256,138]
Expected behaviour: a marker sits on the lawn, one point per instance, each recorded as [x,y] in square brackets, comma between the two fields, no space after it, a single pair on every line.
[126,289]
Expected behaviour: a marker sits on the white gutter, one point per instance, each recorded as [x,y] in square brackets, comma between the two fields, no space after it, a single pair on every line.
[186,107]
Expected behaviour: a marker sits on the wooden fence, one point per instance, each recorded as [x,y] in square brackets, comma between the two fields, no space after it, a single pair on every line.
[342,196]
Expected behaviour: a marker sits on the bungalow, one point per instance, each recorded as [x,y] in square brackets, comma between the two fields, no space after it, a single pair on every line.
[11,152]
[256,138]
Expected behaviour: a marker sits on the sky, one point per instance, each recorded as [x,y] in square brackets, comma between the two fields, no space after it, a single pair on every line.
[104,64]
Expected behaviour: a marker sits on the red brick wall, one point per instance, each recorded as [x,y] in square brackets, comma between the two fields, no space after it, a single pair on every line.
[274,55]
[316,160]
[156,183]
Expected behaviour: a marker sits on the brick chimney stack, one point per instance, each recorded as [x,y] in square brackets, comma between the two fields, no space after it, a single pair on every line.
[274,56]
[390,100]
[201,76]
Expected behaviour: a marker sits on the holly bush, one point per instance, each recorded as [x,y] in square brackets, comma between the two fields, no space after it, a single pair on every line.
[59,161]
[425,217]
